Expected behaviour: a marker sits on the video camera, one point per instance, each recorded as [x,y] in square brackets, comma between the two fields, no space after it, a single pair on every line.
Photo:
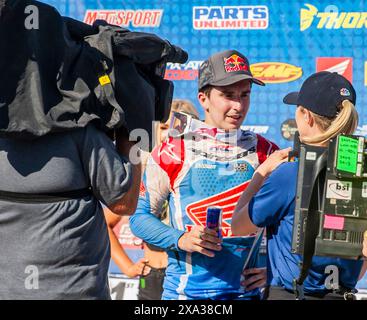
[336,193]
[66,74]
[331,200]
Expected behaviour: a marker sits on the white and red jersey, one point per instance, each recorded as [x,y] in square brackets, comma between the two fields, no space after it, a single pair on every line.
[208,167]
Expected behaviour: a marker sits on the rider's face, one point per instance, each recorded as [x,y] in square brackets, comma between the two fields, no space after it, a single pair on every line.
[226,107]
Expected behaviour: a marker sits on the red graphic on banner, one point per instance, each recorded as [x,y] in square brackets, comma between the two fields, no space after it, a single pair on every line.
[341,65]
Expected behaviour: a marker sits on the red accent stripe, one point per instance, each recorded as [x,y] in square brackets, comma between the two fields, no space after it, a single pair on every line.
[170,156]
[264,148]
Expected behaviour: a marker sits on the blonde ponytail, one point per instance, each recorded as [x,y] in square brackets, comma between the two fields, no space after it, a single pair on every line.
[345,122]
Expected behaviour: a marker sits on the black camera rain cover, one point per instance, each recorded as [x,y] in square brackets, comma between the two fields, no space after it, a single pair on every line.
[65,74]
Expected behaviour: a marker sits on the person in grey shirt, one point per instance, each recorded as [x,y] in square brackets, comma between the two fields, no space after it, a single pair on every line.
[60,249]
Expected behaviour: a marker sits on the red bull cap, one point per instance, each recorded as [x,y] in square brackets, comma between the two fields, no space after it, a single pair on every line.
[225,68]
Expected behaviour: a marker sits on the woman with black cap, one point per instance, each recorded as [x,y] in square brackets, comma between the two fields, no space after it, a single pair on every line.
[325,108]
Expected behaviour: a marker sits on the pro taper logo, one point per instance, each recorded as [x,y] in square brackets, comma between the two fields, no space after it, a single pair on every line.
[275,72]
[331,18]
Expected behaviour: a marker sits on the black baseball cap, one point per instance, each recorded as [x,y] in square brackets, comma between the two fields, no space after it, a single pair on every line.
[225,68]
[322,92]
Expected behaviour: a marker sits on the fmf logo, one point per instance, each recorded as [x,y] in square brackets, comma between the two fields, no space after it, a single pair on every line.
[275,72]
[185,71]
[332,19]
[125,18]
[342,65]
[231,17]
[235,63]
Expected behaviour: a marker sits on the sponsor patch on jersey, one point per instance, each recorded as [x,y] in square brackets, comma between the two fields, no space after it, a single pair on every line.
[205,166]
[241,167]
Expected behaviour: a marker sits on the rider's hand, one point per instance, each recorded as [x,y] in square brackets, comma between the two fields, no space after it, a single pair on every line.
[202,240]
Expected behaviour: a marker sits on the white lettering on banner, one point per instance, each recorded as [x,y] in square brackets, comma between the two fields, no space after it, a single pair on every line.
[231,17]
[125,18]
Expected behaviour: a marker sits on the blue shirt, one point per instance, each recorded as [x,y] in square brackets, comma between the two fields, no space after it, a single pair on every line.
[273,207]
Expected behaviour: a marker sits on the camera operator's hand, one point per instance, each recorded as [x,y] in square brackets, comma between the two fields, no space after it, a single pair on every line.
[365,244]
[273,161]
[200,239]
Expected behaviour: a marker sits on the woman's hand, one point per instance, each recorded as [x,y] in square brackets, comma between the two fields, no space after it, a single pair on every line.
[365,244]
[139,268]
[254,278]
[273,161]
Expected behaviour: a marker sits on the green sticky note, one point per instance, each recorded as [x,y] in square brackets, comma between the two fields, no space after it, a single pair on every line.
[347,154]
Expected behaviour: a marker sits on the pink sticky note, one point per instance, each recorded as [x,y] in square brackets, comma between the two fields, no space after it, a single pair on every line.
[334,222]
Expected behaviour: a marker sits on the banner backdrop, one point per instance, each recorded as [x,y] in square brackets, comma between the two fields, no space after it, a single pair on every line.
[285,41]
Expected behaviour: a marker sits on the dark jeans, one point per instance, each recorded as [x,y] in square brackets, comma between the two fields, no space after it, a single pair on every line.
[151,286]
[278,293]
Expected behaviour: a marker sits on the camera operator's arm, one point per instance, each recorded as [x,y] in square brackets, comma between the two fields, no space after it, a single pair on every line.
[113,178]
[126,205]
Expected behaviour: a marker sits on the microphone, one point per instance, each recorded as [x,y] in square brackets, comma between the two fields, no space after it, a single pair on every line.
[294,154]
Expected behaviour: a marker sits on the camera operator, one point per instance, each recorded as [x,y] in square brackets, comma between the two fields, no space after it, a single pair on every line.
[53,236]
